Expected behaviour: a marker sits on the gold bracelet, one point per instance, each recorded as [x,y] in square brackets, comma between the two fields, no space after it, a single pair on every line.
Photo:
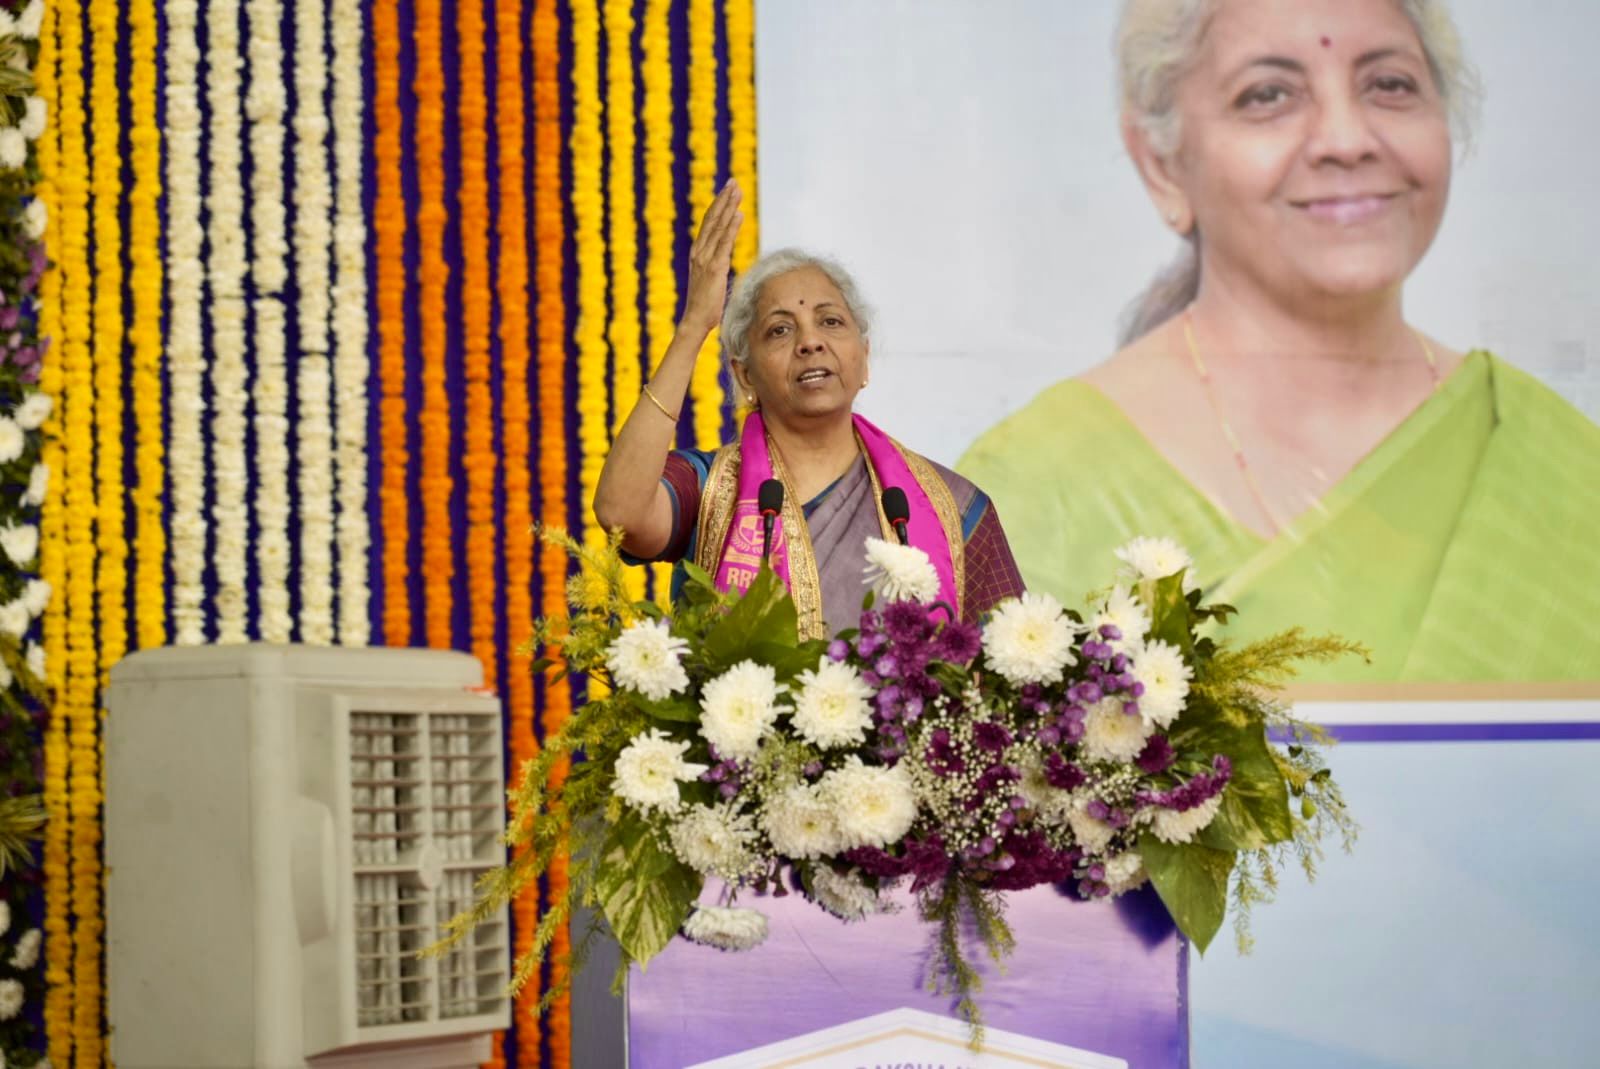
[657,402]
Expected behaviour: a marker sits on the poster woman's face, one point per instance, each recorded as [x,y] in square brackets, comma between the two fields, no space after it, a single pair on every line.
[1314,155]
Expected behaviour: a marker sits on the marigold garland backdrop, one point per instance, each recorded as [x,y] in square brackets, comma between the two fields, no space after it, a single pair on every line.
[346,296]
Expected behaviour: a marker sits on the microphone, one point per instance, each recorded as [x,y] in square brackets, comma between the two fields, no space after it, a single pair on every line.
[769,499]
[898,510]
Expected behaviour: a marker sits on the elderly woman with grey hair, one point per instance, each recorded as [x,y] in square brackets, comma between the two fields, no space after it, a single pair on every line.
[796,335]
[1327,463]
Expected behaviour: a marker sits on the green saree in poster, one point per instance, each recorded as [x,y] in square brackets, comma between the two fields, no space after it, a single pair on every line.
[1466,546]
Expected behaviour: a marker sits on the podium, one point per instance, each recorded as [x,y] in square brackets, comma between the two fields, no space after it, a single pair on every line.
[1090,985]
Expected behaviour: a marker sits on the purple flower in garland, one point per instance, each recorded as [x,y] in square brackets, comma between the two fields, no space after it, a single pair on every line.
[838,650]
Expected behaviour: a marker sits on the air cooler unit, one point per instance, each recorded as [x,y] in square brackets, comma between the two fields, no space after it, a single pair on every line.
[286,827]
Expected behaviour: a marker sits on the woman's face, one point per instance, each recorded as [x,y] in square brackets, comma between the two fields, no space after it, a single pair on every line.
[1315,147]
[807,358]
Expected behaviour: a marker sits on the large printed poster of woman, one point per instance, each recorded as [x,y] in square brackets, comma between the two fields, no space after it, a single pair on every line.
[1325,461]
[1363,397]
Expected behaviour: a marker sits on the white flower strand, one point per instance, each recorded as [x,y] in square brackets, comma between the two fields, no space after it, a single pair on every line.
[313,421]
[185,347]
[225,237]
[266,107]
[350,363]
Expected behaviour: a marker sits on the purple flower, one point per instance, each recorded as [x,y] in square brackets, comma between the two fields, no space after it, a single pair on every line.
[957,643]
[1157,755]
[941,755]
[906,622]
[1063,774]
[838,649]
[1098,810]
[991,736]
[1111,632]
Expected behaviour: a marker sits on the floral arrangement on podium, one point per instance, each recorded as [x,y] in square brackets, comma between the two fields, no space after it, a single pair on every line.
[1095,748]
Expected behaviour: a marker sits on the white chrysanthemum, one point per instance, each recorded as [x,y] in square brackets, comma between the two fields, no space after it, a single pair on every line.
[20,543]
[725,928]
[33,411]
[715,840]
[31,20]
[738,708]
[1109,734]
[1127,614]
[12,440]
[35,659]
[1050,803]
[14,618]
[1156,558]
[874,806]
[649,770]
[832,708]
[648,658]
[845,896]
[33,116]
[1029,639]
[1092,834]
[8,24]
[13,148]
[1125,872]
[10,999]
[1161,669]
[1174,827]
[38,485]
[801,824]
[26,953]
[900,573]
[35,217]
[36,596]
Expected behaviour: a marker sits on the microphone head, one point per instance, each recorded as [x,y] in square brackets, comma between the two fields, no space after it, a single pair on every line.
[769,498]
[895,505]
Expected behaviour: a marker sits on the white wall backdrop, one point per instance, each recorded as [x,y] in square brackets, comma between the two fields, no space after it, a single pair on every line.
[962,158]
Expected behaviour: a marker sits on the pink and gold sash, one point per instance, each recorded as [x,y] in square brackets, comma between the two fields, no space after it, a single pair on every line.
[729,546]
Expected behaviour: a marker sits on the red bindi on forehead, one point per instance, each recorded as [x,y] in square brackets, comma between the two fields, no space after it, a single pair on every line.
[1327,42]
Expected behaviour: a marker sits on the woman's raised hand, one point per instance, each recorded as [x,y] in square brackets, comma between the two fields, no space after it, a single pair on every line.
[710,259]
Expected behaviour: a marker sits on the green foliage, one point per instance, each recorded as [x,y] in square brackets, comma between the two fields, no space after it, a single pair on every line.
[644,891]
[1192,881]
[20,820]
[951,905]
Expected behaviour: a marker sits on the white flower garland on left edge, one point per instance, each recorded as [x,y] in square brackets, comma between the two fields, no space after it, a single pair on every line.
[313,421]
[229,343]
[185,344]
[350,365]
[266,106]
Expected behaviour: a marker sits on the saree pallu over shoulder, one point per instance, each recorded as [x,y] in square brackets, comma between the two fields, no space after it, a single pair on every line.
[719,507]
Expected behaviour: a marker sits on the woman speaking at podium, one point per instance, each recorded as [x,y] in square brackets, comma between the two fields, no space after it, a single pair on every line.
[1325,462]
[796,335]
